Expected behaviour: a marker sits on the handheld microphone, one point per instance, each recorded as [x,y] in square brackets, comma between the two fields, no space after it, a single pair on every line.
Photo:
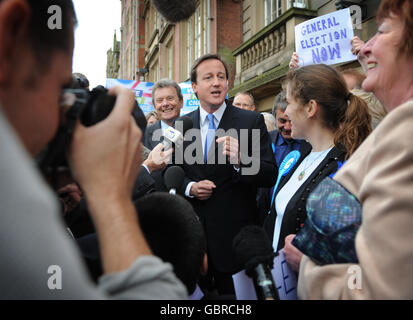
[174,178]
[175,135]
[175,10]
[172,136]
[253,250]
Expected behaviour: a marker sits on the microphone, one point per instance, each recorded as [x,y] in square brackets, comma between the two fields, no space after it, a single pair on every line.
[175,10]
[253,250]
[174,178]
[171,136]
[175,135]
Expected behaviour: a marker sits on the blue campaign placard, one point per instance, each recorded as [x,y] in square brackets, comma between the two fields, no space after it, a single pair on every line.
[191,102]
[143,93]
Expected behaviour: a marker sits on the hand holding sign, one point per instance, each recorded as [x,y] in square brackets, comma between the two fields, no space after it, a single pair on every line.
[325,39]
[356,46]
[294,63]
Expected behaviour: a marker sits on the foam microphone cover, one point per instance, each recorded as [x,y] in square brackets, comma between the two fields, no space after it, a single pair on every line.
[175,10]
[174,177]
[253,247]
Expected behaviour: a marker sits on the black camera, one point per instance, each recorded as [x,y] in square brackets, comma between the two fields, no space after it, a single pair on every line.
[90,107]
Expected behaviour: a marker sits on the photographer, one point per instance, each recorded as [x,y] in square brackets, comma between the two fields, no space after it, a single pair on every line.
[39,261]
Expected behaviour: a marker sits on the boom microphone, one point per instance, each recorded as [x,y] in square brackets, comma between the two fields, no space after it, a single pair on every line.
[253,250]
[175,10]
[174,178]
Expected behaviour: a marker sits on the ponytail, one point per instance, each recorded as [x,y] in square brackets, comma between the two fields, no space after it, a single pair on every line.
[355,125]
[345,114]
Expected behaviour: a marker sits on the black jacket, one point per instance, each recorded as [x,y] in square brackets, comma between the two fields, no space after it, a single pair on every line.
[232,204]
[295,213]
[264,194]
[149,140]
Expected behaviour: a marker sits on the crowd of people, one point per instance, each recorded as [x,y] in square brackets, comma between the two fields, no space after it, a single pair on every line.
[123,236]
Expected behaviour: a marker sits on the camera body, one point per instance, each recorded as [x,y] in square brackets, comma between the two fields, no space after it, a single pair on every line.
[90,107]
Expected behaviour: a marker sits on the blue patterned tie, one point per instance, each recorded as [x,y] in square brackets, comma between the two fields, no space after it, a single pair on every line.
[210,136]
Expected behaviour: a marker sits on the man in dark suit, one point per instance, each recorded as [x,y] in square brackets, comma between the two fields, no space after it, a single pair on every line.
[222,175]
[168,101]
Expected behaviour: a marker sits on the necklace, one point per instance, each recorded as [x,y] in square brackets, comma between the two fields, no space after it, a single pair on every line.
[302,173]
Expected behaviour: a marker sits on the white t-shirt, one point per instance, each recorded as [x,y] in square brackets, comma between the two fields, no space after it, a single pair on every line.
[308,165]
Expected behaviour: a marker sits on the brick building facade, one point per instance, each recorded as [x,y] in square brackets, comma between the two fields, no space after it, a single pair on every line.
[255,37]
[152,48]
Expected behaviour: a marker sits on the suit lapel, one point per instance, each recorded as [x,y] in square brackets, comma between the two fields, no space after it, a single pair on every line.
[195,119]
[156,127]
[195,134]
[229,118]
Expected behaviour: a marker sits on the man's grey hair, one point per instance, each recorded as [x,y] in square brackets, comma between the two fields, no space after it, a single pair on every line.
[268,117]
[167,83]
[280,102]
[247,94]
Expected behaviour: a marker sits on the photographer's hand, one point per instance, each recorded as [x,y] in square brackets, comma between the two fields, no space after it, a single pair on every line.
[105,159]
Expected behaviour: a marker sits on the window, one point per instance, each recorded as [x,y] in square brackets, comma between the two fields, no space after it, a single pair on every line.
[296,4]
[150,24]
[155,18]
[170,62]
[197,33]
[272,10]
[205,25]
[147,31]
[153,72]
[189,44]
[194,33]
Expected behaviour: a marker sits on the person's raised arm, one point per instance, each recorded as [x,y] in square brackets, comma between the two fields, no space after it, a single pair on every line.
[294,64]
[105,160]
[356,45]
